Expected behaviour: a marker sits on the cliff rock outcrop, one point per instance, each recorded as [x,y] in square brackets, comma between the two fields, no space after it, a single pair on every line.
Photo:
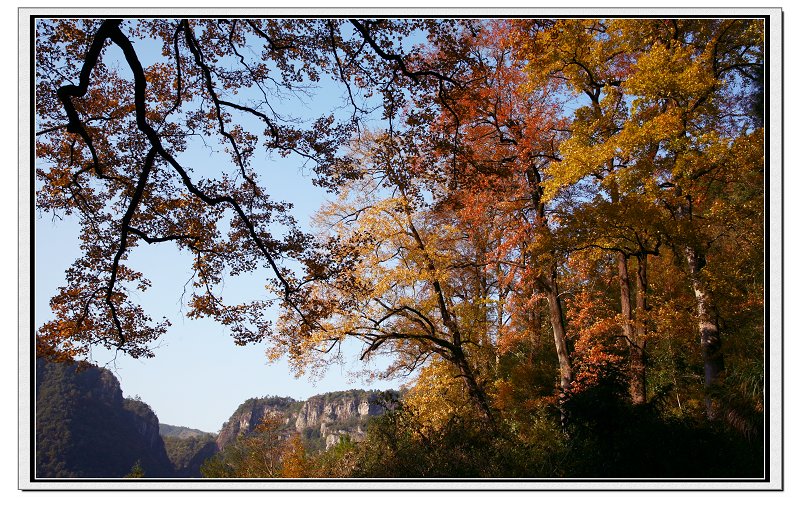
[322,420]
[249,414]
[85,428]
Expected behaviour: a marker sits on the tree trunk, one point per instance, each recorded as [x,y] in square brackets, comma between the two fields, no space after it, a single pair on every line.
[633,334]
[559,332]
[710,341]
[456,351]
[625,297]
[549,284]
[635,385]
[638,365]
[473,388]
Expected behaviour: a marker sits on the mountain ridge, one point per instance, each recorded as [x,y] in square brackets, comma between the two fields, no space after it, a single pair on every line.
[172,430]
[86,428]
[321,420]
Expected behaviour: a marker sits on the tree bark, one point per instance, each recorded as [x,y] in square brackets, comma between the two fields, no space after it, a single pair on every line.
[625,296]
[638,365]
[559,332]
[636,385]
[473,388]
[710,340]
[633,326]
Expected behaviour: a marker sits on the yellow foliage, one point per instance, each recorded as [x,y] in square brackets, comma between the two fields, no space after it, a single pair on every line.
[677,73]
[437,397]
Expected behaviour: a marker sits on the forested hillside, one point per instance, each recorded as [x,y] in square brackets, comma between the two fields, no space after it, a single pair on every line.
[84,427]
[553,229]
[187,452]
[168,430]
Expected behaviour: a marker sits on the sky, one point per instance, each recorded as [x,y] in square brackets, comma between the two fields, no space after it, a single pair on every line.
[198,376]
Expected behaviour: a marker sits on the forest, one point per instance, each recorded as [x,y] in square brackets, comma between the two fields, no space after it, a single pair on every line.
[554,227]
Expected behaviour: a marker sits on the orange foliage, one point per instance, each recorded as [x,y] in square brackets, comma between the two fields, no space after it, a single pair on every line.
[599,346]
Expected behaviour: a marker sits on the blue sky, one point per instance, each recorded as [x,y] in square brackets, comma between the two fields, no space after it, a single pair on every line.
[198,376]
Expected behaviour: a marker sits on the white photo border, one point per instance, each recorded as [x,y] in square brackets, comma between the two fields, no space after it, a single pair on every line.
[774,345]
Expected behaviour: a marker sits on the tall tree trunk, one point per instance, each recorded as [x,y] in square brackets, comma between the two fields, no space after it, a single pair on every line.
[625,296]
[559,332]
[548,283]
[710,340]
[638,365]
[634,326]
[457,354]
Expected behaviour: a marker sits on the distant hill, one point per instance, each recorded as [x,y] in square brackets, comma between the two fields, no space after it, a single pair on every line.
[188,453]
[85,428]
[168,430]
[187,448]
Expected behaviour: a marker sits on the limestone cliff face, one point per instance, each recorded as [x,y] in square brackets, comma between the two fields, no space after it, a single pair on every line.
[247,417]
[333,415]
[321,420]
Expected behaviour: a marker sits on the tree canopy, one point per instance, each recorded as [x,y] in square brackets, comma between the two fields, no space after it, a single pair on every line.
[526,210]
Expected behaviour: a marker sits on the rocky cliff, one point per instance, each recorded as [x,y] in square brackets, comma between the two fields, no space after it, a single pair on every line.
[249,414]
[321,420]
[334,415]
[85,428]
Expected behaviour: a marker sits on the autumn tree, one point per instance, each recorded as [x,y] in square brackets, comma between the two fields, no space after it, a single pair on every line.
[492,145]
[114,134]
[269,452]
[295,464]
[399,277]
[657,93]
[581,61]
